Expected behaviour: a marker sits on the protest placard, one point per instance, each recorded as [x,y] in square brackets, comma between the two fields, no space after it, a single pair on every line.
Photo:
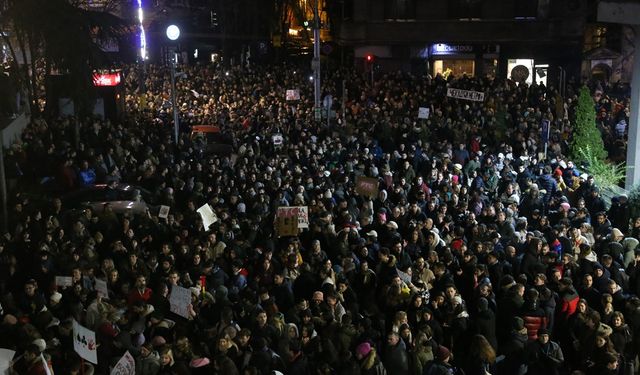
[367,186]
[208,216]
[64,281]
[299,212]
[164,212]
[293,94]
[404,277]
[101,288]
[84,343]
[287,226]
[179,301]
[475,96]
[6,356]
[423,113]
[125,366]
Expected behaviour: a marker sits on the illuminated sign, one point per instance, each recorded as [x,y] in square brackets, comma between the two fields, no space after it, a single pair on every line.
[449,49]
[106,79]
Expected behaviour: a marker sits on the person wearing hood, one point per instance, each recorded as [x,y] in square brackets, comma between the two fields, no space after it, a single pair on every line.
[369,360]
[485,322]
[441,365]
[434,242]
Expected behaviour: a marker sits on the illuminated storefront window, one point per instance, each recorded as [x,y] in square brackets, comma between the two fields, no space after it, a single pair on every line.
[456,68]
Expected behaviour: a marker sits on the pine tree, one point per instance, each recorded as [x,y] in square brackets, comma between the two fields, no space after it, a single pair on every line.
[586,135]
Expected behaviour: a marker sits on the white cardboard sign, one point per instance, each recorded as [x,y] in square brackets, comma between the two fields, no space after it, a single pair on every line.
[84,343]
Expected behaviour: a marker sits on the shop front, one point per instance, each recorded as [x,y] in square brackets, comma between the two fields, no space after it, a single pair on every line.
[463,59]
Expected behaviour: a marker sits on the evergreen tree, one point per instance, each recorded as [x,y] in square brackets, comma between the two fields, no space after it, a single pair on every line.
[586,135]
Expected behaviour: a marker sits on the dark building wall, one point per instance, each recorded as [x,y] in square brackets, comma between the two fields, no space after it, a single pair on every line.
[549,31]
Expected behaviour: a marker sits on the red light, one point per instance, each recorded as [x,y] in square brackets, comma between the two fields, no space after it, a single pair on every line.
[106,79]
[369,58]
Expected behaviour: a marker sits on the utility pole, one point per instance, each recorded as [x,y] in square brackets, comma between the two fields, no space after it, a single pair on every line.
[315,65]
[176,124]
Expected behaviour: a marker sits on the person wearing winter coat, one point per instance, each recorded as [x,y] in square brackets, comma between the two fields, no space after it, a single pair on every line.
[485,323]
[396,358]
[441,365]
[513,348]
[533,316]
[148,363]
[369,361]
[544,357]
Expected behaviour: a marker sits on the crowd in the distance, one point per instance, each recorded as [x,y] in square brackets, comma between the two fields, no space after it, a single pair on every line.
[475,256]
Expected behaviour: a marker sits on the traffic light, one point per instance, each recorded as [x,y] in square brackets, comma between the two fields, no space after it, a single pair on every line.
[369,58]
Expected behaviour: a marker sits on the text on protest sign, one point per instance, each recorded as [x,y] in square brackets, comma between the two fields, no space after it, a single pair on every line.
[287,226]
[475,96]
[293,95]
[299,212]
[84,343]
[164,212]
[208,216]
[179,301]
[423,113]
[101,288]
[125,366]
[367,186]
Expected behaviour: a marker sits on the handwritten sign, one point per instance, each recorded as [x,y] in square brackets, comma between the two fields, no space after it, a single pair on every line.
[423,113]
[125,366]
[208,216]
[84,343]
[404,277]
[164,212]
[179,301]
[475,96]
[367,186]
[287,226]
[299,212]
[101,288]
[293,94]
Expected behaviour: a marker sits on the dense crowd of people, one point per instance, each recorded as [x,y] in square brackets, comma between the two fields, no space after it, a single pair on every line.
[475,255]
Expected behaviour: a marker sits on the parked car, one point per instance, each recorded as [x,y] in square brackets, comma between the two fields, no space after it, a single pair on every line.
[123,198]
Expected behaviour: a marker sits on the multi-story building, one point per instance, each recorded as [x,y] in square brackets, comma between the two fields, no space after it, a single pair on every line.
[529,39]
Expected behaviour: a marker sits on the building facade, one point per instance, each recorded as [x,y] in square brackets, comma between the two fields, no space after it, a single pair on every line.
[524,39]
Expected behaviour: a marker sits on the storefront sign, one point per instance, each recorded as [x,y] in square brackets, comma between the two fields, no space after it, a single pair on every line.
[475,96]
[450,49]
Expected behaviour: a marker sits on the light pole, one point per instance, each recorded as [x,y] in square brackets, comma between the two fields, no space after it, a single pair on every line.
[173,33]
[316,60]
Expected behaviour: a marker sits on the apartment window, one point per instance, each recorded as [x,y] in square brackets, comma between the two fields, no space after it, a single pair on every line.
[400,9]
[525,9]
[465,9]
[595,37]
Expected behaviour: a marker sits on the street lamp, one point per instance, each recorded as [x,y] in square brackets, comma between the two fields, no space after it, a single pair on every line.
[173,33]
